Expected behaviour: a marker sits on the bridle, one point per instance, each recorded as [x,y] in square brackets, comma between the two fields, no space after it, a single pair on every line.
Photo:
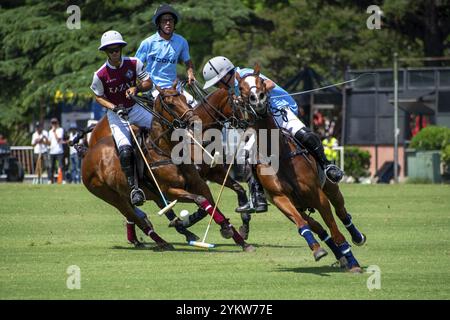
[247,104]
[216,113]
[178,121]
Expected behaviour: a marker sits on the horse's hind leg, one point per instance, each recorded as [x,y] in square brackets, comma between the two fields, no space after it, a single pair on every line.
[218,175]
[327,215]
[317,228]
[170,214]
[244,230]
[337,200]
[132,215]
[227,229]
[244,206]
[284,204]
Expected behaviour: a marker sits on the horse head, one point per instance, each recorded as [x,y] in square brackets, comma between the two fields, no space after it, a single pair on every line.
[173,106]
[254,94]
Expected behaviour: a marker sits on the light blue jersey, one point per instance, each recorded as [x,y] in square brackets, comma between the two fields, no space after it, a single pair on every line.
[161,57]
[275,103]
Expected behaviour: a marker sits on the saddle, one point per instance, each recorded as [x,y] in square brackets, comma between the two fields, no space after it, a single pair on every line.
[300,150]
[139,162]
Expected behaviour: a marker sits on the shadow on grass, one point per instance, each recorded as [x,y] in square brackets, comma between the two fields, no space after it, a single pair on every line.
[323,271]
[187,248]
[179,247]
[263,245]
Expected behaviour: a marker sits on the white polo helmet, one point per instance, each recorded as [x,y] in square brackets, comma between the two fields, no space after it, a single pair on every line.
[215,69]
[111,37]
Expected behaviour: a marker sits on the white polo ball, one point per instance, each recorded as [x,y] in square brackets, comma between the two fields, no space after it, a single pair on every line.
[184,214]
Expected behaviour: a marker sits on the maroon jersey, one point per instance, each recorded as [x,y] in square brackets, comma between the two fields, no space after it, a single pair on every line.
[112,82]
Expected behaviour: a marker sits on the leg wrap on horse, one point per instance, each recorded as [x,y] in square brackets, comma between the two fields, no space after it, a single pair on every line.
[181,229]
[237,237]
[217,215]
[170,215]
[357,236]
[331,244]
[246,217]
[141,214]
[347,252]
[306,233]
[226,229]
[131,232]
[155,237]
[196,217]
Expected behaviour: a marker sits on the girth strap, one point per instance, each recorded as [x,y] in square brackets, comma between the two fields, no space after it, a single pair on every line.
[160,163]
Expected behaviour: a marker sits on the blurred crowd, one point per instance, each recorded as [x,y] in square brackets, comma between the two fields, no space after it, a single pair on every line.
[53,155]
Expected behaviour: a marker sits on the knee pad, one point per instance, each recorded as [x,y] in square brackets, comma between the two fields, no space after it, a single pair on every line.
[308,138]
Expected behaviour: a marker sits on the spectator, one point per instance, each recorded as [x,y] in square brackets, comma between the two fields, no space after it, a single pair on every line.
[40,142]
[3,140]
[329,143]
[75,162]
[56,134]
[4,152]
[319,123]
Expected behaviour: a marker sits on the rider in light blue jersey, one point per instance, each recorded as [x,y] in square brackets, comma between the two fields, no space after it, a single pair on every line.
[163,50]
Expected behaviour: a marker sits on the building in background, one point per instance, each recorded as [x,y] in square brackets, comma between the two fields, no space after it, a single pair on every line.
[368,111]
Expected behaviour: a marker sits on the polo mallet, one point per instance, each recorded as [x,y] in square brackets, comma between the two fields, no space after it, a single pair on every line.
[214,158]
[168,206]
[203,244]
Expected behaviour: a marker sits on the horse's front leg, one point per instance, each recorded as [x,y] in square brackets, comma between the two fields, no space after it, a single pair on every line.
[217,175]
[227,230]
[337,200]
[324,209]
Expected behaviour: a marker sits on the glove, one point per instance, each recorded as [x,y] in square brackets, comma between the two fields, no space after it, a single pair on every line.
[122,112]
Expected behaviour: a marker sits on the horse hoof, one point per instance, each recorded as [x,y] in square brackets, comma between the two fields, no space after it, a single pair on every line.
[138,244]
[226,232]
[319,254]
[355,270]
[243,231]
[164,247]
[363,241]
[248,248]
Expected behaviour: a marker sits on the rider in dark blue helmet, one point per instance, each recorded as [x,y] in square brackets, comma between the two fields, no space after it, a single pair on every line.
[163,50]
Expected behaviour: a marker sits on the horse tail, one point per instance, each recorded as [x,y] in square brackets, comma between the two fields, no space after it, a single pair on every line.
[81,147]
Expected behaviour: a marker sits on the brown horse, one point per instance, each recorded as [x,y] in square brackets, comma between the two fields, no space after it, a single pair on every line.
[102,174]
[296,186]
[219,103]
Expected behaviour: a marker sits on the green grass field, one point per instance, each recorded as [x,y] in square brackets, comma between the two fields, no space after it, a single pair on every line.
[46,229]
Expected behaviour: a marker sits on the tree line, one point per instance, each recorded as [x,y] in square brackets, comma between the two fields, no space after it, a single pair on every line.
[43,62]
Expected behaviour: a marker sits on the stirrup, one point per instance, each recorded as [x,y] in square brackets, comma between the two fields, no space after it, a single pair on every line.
[137,191]
[335,167]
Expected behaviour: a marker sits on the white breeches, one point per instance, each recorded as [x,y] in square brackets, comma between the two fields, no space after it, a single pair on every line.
[119,128]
